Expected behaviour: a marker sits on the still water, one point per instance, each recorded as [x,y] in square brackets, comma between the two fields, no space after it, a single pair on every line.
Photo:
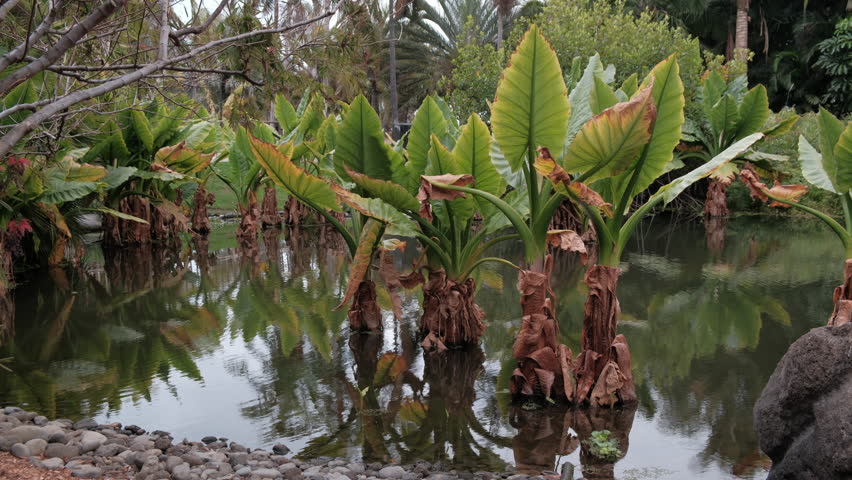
[205,341]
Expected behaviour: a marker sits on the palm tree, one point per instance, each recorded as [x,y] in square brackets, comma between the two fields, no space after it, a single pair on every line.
[504,9]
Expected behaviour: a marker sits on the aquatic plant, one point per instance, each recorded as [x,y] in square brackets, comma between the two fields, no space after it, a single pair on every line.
[830,169]
[612,147]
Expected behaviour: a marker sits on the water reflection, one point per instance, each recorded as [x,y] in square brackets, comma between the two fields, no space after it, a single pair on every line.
[251,340]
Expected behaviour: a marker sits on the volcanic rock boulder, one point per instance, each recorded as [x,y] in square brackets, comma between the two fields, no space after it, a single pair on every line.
[803,418]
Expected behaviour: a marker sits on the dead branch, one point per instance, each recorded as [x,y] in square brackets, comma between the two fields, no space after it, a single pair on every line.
[67,41]
[61,103]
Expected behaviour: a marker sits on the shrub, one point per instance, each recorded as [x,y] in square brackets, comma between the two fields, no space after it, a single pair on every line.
[632,44]
[476,70]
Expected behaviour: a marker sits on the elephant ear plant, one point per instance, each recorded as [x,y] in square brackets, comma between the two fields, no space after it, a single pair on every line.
[830,169]
[613,157]
[400,193]
[730,114]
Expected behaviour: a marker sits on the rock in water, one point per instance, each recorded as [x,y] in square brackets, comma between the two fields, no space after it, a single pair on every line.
[803,418]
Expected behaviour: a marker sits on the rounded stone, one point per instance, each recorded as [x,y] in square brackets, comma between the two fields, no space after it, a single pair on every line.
[36,446]
[58,450]
[90,441]
[57,437]
[86,424]
[53,463]
[20,450]
[266,473]
[86,471]
[393,471]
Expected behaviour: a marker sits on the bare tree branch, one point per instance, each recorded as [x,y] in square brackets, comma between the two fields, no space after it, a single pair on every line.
[61,69]
[200,28]
[164,31]
[24,106]
[6,6]
[18,53]
[66,42]
[30,123]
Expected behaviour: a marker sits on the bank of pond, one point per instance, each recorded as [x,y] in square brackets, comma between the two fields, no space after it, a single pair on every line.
[203,340]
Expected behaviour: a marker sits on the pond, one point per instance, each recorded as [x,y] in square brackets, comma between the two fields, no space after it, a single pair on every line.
[203,340]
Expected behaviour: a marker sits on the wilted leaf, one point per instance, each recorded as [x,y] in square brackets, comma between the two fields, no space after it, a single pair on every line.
[430,191]
[182,159]
[547,166]
[370,234]
[779,194]
[726,173]
[610,142]
[568,240]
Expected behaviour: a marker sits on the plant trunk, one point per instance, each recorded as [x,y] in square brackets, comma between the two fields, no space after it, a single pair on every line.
[7,283]
[543,365]
[842,313]
[120,233]
[741,41]
[272,243]
[604,375]
[392,86]
[716,203]
[200,201]
[295,213]
[269,208]
[247,231]
[714,232]
[451,317]
[364,314]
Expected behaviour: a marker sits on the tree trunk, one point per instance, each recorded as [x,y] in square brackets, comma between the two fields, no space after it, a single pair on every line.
[842,313]
[604,374]
[269,209]
[716,203]
[451,317]
[7,283]
[500,21]
[200,201]
[120,233]
[364,314]
[741,41]
[392,86]
[247,231]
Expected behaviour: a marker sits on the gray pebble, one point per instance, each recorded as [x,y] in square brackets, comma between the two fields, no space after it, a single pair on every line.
[181,472]
[85,424]
[243,471]
[86,471]
[266,473]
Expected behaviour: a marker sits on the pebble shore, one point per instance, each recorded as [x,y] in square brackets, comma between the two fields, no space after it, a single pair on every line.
[87,449]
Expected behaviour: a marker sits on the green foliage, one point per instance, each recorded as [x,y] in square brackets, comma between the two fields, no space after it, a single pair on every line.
[836,60]
[632,44]
[473,81]
[602,445]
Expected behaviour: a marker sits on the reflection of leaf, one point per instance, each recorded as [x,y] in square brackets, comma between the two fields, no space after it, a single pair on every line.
[389,367]
[413,411]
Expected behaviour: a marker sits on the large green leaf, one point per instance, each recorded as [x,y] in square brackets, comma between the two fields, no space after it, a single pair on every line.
[724,117]
[843,159]
[473,155]
[367,243]
[142,128]
[429,120]
[610,142]
[308,189]
[440,162]
[285,114]
[712,89]
[57,190]
[531,107]
[581,109]
[392,193]
[116,176]
[397,222]
[601,97]
[830,129]
[182,159]
[812,166]
[753,112]
[669,100]
[361,145]
[676,187]
[22,94]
